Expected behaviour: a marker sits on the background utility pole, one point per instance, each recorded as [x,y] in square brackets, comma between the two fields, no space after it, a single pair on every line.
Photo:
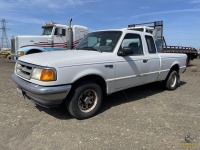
[4,39]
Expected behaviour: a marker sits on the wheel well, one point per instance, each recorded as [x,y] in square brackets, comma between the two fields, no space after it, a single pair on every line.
[175,67]
[33,51]
[93,78]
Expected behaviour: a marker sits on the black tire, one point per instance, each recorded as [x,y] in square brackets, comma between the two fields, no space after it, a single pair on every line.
[9,57]
[172,80]
[188,60]
[85,100]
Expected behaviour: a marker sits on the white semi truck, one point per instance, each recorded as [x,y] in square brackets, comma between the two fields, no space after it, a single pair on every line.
[54,37]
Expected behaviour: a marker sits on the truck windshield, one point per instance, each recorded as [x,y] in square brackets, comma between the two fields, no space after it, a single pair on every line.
[47,30]
[103,41]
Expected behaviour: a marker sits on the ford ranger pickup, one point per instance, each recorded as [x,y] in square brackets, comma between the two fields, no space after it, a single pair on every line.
[103,63]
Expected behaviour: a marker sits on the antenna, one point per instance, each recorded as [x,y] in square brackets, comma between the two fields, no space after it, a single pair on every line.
[4,39]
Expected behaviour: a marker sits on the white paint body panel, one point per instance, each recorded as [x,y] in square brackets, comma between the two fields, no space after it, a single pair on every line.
[50,40]
[128,71]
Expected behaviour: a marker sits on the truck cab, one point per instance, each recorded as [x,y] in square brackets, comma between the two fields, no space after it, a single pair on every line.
[54,37]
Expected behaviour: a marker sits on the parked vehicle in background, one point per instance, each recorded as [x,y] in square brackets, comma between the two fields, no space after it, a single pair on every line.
[6,53]
[104,62]
[54,37]
[198,53]
[156,29]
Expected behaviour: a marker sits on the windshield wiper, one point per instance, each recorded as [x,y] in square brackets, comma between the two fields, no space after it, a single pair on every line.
[92,48]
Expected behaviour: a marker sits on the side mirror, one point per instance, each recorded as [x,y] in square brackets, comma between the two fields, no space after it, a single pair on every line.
[125,51]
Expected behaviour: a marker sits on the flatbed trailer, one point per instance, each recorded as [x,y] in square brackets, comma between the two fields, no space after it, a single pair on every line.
[191,52]
[156,28]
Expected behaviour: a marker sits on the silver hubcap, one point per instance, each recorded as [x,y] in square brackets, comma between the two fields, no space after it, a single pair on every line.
[173,80]
[87,100]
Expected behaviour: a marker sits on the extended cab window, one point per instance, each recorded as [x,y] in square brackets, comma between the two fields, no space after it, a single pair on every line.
[134,42]
[150,44]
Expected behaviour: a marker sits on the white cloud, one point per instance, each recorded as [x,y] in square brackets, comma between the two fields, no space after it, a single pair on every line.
[27,20]
[43,3]
[68,3]
[194,1]
[167,12]
[144,7]
[56,4]
[23,11]
[5,5]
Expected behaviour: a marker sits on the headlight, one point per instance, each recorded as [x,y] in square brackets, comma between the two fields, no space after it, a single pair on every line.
[44,74]
[21,53]
[36,73]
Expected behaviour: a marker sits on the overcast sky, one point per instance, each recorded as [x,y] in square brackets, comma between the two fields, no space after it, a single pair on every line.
[181,17]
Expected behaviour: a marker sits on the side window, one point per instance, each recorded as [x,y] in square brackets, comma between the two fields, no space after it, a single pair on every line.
[56,31]
[134,42]
[63,32]
[150,44]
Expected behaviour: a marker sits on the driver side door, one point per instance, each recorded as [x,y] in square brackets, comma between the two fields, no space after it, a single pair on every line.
[132,69]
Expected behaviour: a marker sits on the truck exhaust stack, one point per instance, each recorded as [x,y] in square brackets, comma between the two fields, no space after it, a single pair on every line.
[70,33]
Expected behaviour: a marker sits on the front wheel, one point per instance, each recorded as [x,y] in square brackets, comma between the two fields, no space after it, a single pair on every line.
[85,100]
[172,80]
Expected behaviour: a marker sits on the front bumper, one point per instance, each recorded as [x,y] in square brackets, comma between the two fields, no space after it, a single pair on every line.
[14,57]
[44,96]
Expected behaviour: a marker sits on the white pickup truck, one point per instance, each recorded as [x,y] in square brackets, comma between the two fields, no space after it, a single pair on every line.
[104,62]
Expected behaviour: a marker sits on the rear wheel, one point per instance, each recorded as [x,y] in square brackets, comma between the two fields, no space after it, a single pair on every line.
[172,80]
[9,57]
[188,60]
[85,100]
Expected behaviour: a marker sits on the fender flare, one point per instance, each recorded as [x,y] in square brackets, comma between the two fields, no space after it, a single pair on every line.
[28,48]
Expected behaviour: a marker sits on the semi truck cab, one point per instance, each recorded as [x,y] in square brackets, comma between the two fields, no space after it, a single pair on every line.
[54,37]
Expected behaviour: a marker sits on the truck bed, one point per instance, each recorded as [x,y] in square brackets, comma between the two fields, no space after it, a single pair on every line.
[191,52]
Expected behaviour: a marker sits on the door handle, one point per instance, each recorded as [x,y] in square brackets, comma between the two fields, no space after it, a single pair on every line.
[109,66]
[145,60]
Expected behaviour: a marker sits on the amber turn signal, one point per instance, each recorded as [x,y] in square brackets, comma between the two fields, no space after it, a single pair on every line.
[21,53]
[47,75]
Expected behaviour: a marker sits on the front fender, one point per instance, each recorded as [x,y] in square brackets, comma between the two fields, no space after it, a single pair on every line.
[42,49]
[88,72]
[28,48]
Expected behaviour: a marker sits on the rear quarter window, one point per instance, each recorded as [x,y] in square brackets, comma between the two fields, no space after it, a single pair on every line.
[150,44]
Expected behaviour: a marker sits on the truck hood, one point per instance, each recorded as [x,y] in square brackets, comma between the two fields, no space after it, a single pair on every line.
[58,59]
[29,36]
[32,37]
[31,40]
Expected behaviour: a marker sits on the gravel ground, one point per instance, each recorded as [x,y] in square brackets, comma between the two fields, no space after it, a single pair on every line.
[145,117]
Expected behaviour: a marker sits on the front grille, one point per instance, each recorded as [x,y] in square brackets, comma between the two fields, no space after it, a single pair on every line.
[13,45]
[24,70]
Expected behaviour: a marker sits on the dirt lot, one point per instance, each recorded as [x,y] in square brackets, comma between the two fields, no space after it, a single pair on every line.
[145,117]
